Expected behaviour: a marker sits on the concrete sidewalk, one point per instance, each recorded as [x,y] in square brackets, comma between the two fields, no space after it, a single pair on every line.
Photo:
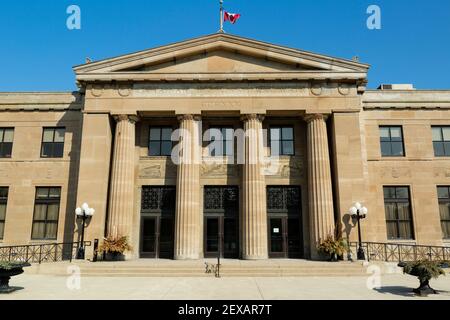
[393,286]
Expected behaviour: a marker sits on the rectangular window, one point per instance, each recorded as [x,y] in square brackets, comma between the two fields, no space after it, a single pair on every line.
[6,142]
[221,141]
[53,143]
[441,141]
[398,213]
[391,139]
[3,204]
[46,213]
[282,141]
[160,141]
[444,210]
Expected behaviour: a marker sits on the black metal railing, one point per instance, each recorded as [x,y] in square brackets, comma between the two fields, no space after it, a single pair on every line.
[40,253]
[401,252]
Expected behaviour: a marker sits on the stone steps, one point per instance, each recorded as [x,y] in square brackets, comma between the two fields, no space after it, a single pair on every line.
[197,269]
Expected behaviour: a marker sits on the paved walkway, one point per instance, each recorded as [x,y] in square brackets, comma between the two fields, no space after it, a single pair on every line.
[395,286]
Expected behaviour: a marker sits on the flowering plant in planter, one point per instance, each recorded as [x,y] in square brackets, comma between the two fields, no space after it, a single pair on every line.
[424,270]
[333,247]
[114,247]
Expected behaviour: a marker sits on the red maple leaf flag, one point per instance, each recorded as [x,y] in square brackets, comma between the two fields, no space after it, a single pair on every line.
[232,17]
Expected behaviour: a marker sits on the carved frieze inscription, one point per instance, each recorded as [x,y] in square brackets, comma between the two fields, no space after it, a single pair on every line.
[221,90]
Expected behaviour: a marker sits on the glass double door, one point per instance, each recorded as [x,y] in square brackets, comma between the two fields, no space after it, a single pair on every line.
[221,221]
[221,235]
[284,237]
[157,237]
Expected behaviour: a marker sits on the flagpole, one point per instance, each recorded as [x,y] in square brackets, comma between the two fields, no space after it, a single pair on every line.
[221,16]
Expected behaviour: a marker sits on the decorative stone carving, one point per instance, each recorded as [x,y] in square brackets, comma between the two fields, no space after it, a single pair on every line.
[396,173]
[316,89]
[97,90]
[442,172]
[150,171]
[217,170]
[124,90]
[344,89]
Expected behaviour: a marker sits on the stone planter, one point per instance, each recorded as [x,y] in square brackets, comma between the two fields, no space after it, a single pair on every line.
[6,274]
[114,256]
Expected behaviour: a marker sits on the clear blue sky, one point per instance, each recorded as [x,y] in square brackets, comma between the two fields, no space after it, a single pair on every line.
[37,51]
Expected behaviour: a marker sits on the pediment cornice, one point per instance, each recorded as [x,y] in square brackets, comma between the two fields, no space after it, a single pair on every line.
[298,64]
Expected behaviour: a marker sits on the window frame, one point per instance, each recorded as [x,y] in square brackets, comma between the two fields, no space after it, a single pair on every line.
[445,201]
[46,201]
[4,144]
[4,201]
[397,221]
[281,140]
[161,141]
[224,141]
[390,142]
[53,143]
[442,142]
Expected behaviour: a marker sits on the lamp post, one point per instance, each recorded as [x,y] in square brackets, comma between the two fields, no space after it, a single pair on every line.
[84,213]
[359,212]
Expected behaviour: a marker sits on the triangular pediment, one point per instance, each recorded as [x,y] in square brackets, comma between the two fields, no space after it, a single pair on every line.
[220,56]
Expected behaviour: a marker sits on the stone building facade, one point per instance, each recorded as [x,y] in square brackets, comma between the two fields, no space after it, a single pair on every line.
[326,142]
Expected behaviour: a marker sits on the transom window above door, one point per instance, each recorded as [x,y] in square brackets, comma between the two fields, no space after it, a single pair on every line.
[221,141]
[282,141]
[391,140]
[160,141]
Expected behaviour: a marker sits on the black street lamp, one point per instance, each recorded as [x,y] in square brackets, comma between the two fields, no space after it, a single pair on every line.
[84,213]
[359,212]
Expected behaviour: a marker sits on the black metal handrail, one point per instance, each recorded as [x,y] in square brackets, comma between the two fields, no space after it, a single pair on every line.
[401,252]
[40,253]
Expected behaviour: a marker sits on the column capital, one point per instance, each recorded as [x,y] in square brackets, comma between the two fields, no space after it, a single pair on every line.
[126,117]
[194,117]
[315,116]
[252,116]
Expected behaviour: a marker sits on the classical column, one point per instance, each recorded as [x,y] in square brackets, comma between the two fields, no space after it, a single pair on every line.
[187,212]
[121,202]
[320,192]
[254,220]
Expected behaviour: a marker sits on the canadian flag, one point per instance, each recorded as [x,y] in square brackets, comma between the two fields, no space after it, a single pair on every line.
[232,17]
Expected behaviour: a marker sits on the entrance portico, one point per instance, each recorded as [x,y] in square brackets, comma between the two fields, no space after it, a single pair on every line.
[216,81]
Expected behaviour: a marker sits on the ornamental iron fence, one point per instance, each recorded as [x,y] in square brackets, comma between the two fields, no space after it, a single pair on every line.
[401,252]
[41,253]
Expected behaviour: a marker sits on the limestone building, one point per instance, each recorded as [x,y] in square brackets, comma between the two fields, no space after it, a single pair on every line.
[326,142]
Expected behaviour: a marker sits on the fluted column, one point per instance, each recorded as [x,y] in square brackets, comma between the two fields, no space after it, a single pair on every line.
[254,220]
[188,213]
[320,192]
[121,202]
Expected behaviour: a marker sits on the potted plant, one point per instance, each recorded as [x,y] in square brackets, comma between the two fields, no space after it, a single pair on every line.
[113,248]
[333,247]
[424,270]
[8,270]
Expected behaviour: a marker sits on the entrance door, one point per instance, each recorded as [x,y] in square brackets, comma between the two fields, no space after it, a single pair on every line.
[221,224]
[157,222]
[148,236]
[277,241]
[284,222]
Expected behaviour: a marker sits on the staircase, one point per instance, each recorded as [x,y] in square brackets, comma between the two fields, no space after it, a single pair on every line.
[228,268]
